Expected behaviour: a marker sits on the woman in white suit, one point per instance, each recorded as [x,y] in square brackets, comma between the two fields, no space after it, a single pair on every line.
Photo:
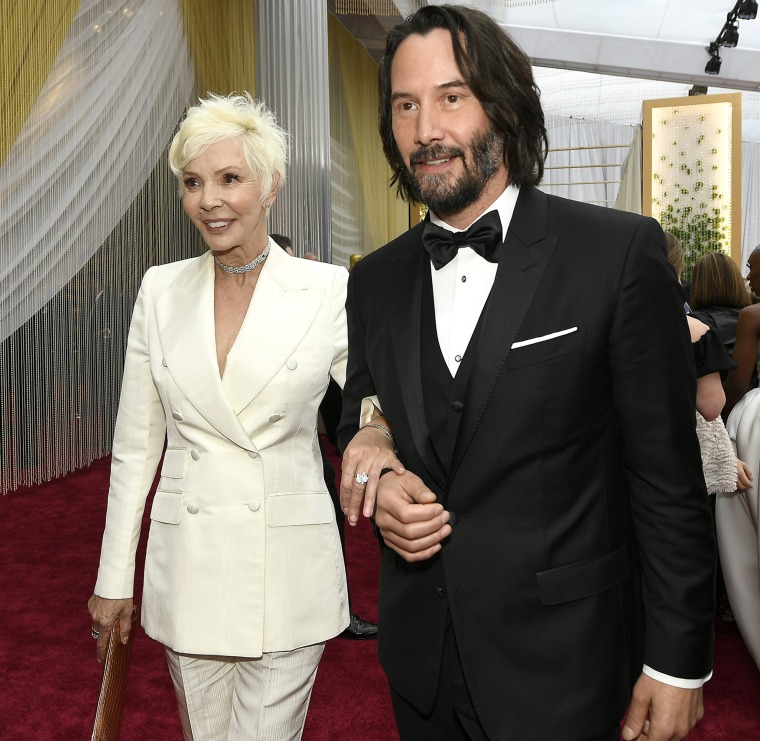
[228,358]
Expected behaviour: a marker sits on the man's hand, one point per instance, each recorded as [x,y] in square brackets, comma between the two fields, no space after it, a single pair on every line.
[661,712]
[104,613]
[410,519]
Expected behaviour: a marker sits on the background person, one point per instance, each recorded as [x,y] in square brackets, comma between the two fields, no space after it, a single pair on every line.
[677,259]
[285,242]
[753,274]
[723,470]
[737,518]
[745,356]
[551,535]
[229,355]
[718,294]
[747,340]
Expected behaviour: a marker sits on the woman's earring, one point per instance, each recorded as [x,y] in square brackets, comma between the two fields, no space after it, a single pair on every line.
[267,205]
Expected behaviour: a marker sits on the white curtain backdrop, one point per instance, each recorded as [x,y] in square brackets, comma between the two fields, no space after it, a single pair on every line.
[87,204]
[750,198]
[592,166]
[629,195]
[113,97]
[296,88]
[585,158]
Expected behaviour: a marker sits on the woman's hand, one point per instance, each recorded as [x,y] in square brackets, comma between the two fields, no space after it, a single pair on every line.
[743,475]
[104,613]
[368,453]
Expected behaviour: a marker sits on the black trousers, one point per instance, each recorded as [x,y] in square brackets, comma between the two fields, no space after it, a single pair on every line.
[453,717]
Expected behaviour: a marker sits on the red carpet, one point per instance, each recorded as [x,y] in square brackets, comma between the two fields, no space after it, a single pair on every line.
[49,544]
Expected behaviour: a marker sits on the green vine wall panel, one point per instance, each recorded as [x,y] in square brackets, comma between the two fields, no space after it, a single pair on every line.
[693,169]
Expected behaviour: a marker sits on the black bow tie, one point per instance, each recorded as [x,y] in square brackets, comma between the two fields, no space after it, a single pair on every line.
[484,236]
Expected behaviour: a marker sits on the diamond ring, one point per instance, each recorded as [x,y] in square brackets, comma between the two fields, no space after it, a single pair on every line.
[361,478]
[95,634]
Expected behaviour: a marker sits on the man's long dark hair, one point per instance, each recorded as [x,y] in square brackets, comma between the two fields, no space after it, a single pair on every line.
[500,76]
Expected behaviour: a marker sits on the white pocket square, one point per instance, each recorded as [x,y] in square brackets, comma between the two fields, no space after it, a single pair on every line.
[544,338]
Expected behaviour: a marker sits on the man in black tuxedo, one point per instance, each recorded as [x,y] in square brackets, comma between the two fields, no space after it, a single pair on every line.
[548,554]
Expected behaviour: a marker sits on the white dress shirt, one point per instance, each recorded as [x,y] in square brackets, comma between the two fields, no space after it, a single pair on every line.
[461,288]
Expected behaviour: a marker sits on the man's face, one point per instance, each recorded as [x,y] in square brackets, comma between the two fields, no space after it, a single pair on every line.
[452,155]
[753,276]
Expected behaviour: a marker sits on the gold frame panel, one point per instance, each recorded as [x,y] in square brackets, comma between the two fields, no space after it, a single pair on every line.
[648,165]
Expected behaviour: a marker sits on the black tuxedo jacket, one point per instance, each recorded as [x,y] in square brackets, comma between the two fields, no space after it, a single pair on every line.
[582,542]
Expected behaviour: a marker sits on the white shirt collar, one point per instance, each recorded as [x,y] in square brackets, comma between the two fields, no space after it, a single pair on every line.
[504,204]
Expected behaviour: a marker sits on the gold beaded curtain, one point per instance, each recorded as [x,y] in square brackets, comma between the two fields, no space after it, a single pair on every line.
[366,211]
[221,36]
[31,35]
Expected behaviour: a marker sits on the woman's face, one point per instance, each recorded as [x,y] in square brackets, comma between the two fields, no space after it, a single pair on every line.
[224,200]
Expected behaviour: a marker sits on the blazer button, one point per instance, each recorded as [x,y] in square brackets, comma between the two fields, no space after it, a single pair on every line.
[457,406]
[440,591]
[254,506]
[194,454]
[193,509]
[292,364]
[177,416]
[253,454]
[275,418]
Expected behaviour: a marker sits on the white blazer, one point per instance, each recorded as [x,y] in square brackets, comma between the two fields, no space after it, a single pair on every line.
[243,554]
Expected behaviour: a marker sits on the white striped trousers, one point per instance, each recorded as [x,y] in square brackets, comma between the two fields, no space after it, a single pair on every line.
[223,698]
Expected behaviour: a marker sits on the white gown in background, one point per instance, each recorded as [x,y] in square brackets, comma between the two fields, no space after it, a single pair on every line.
[737,525]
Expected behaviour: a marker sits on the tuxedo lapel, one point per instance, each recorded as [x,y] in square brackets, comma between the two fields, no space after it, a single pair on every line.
[522,262]
[185,320]
[407,322]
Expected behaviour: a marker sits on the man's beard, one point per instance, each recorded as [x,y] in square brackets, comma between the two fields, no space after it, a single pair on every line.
[447,198]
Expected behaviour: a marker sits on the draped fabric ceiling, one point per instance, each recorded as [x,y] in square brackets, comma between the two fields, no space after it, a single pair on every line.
[108,105]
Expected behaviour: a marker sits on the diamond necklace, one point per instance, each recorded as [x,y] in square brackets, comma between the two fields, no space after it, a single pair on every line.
[243,268]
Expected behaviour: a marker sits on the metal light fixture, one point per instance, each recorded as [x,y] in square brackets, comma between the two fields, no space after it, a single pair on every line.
[729,36]
[713,65]
[747,10]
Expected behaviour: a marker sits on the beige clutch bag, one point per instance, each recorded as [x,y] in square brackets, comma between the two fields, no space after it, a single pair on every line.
[111,698]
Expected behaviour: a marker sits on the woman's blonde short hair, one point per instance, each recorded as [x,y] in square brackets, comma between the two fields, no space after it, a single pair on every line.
[716,281]
[217,118]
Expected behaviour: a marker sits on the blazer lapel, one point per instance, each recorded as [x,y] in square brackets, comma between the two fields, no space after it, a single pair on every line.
[280,314]
[522,263]
[406,345]
[185,320]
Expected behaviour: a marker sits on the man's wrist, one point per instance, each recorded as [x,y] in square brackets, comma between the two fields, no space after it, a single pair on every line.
[686,684]
[374,510]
